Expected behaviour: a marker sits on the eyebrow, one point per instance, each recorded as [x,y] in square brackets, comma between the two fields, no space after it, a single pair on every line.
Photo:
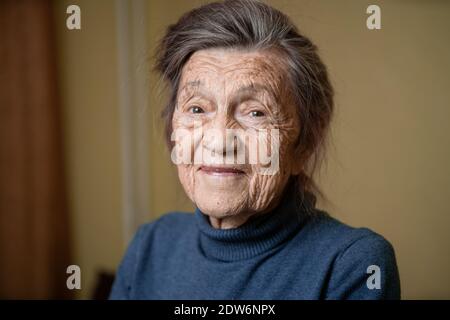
[245,92]
[195,85]
[253,88]
[240,94]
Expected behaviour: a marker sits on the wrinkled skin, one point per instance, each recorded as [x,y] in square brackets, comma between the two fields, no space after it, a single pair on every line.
[226,89]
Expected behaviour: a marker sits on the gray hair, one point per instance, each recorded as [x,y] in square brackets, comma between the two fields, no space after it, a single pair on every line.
[250,24]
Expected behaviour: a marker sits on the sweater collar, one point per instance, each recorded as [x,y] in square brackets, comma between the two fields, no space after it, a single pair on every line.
[258,235]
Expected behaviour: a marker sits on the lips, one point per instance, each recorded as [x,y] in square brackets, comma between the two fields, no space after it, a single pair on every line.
[221,171]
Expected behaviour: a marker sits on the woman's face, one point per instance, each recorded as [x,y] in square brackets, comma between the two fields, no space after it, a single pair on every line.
[236,95]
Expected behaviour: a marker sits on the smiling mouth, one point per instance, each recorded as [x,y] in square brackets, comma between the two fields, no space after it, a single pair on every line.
[221,171]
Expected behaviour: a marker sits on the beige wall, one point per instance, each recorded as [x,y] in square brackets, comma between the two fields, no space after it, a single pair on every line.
[388,169]
[88,87]
[387,165]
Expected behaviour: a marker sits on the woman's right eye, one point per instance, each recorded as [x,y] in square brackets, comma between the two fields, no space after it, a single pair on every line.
[196,109]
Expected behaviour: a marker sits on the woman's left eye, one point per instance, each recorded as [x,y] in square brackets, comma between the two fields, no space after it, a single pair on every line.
[257,113]
[196,109]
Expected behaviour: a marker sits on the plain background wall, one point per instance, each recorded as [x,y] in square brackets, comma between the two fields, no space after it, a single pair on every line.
[88,88]
[387,165]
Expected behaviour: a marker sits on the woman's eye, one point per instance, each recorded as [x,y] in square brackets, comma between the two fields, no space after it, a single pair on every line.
[196,109]
[257,113]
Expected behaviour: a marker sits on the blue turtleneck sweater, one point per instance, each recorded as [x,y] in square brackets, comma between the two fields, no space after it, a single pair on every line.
[284,254]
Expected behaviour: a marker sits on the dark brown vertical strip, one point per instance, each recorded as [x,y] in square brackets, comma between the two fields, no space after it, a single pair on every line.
[34,237]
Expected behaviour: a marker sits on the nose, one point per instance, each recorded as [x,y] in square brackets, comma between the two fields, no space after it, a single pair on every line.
[218,137]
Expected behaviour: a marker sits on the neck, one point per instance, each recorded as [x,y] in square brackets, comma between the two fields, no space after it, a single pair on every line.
[229,222]
[237,220]
[241,236]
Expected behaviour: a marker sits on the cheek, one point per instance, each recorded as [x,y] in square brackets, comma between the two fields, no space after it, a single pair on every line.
[187,179]
[182,121]
[289,133]
[265,189]
[277,153]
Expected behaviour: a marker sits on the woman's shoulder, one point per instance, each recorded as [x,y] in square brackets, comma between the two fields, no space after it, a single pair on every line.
[353,254]
[169,224]
[155,238]
[330,231]
[171,219]
[161,234]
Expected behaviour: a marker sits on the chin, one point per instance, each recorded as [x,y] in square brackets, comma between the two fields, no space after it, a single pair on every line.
[221,210]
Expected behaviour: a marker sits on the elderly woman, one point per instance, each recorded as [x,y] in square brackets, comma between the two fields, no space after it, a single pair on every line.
[242,66]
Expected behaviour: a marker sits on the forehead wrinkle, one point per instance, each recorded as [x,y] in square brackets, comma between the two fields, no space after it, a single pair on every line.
[271,77]
[248,72]
[258,64]
[203,63]
[255,63]
[192,86]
